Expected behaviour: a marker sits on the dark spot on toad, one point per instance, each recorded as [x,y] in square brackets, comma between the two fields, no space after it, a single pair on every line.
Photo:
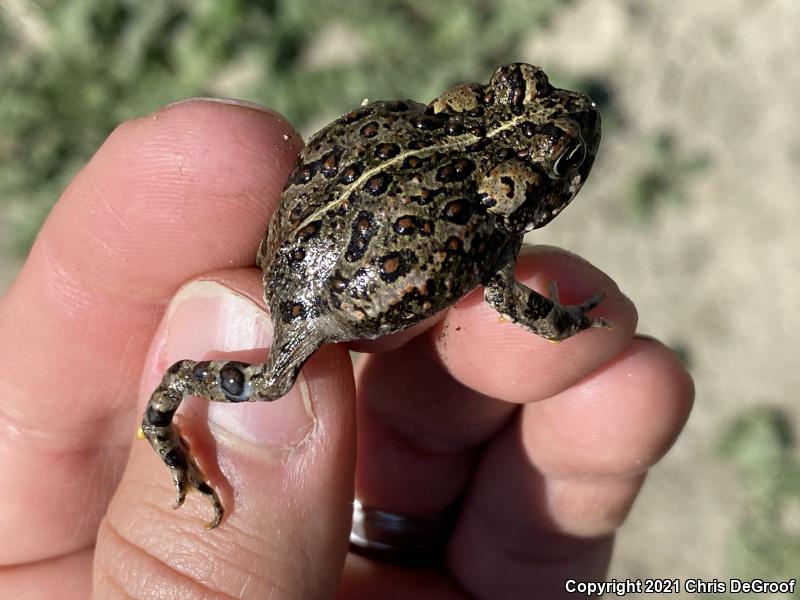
[454,244]
[457,170]
[406,225]
[454,128]
[309,231]
[369,130]
[509,183]
[175,368]
[354,115]
[200,371]
[426,122]
[292,310]
[232,380]
[339,283]
[413,162]
[362,230]
[458,211]
[297,255]
[351,173]
[377,184]
[329,163]
[159,418]
[396,264]
[303,173]
[387,150]
[175,459]
[396,106]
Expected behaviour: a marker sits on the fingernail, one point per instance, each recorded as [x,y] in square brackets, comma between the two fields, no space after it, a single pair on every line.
[228,101]
[207,321]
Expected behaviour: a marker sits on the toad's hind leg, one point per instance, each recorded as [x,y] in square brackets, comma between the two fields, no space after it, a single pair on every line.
[218,381]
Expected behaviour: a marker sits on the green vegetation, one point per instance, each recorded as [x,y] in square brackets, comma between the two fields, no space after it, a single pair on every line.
[766,543]
[663,177]
[71,70]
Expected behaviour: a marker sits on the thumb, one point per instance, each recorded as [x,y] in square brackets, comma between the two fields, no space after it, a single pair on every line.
[283,470]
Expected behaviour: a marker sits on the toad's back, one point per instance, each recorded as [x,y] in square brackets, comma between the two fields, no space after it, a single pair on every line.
[380,224]
[387,217]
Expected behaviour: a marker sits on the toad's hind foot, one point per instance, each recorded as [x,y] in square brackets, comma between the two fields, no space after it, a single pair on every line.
[225,381]
[217,381]
[188,477]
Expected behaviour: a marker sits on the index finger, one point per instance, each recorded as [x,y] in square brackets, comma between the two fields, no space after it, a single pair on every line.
[155,206]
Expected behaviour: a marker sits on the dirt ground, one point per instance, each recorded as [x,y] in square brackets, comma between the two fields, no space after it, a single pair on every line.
[717,272]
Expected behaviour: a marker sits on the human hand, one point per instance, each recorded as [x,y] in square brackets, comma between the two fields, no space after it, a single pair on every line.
[546,445]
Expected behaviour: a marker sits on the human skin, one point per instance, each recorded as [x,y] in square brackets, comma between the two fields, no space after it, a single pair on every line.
[546,445]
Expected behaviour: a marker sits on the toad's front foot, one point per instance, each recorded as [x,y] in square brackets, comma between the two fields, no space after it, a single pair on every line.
[544,316]
[570,319]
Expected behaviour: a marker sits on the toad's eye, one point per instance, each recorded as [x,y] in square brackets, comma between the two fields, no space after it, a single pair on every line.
[571,159]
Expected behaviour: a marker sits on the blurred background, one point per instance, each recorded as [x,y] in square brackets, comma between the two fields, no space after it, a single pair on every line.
[693,206]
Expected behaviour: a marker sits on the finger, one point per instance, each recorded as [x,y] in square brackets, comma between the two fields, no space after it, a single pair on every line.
[364,579]
[288,467]
[551,490]
[426,408]
[70,575]
[153,208]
